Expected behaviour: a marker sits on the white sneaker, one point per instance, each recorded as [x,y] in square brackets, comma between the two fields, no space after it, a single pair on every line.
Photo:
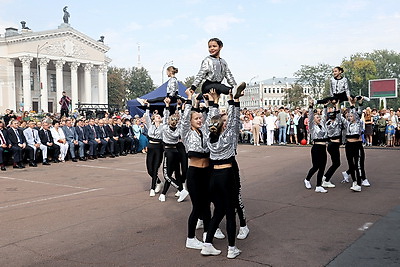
[307,184]
[218,234]
[356,187]
[243,232]
[209,250]
[258,144]
[161,198]
[328,184]
[182,195]
[365,183]
[320,189]
[177,194]
[237,90]
[233,252]
[152,193]
[158,187]
[346,177]
[199,224]
[194,243]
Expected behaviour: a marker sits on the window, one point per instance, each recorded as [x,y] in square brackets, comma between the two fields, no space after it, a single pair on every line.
[50,106]
[265,90]
[269,90]
[273,90]
[32,81]
[53,83]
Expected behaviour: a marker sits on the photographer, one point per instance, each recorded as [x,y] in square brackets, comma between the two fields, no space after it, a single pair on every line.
[64,102]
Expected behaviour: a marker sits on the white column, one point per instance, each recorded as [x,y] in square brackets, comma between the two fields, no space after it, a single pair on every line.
[106,85]
[74,84]
[102,93]
[59,79]
[44,90]
[26,82]
[12,94]
[88,83]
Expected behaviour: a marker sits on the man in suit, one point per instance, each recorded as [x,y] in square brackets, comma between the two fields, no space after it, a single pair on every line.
[18,144]
[109,133]
[92,139]
[70,136]
[47,139]
[80,136]
[103,139]
[4,144]
[121,138]
[33,140]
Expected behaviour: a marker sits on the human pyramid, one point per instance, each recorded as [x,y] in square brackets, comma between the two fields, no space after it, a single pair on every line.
[196,133]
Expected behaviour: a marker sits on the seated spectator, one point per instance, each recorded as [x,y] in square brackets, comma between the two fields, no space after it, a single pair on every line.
[92,139]
[46,139]
[59,139]
[80,136]
[18,145]
[33,140]
[4,144]
[105,137]
[70,137]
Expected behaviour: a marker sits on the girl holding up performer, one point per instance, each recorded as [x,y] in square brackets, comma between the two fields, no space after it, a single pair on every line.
[319,136]
[221,142]
[170,137]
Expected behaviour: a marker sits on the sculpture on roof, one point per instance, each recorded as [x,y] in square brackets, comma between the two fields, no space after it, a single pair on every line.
[66,14]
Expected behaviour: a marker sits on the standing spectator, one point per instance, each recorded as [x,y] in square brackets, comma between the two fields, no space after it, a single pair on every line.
[390,132]
[9,115]
[126,115]
[368,120]
[292,130]
[64,102]
[255,128]
[270,122]
[282,119]
[381,123]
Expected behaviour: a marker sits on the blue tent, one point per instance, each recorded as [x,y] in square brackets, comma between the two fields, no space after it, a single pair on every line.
[135,108]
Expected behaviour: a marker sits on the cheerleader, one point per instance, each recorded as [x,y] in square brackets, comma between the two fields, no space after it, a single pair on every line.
[334,125]
[221,142]
[319,135]
[172,89]
[154,149]
[354,149]
[170,137]
[194,136]
[213,70]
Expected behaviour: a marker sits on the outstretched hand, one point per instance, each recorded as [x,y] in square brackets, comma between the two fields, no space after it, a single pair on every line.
[167,101]
[189,92]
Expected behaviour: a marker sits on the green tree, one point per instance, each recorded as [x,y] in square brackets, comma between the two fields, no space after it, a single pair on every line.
[358,71]
[315,77]
[116,83]
[294,96]
[139,83]
[188,81]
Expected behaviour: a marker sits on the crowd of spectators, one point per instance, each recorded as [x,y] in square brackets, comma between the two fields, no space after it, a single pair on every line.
[28,139]
[281,126]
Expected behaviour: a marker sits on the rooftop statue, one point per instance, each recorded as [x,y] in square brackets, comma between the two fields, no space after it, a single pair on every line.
[66,14]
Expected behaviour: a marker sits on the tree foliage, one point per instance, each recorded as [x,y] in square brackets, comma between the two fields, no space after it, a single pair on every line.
[188,81]
[139,83]
[315,77]
[116,82]
[359,71]
[294,96]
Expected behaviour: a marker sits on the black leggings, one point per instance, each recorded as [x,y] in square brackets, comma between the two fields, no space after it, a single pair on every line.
[172,166]
[184,161]
[318,158]
[153,162]
[218,86]
[224,196]
[198,181]
[239,204]
[342,97]
[355,158]
[173,98]
[333,150]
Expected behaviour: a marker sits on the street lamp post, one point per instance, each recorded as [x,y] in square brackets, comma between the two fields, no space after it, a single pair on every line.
[39,47]
[162,72]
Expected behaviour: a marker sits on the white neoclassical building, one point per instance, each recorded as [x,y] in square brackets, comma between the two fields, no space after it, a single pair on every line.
[36,67]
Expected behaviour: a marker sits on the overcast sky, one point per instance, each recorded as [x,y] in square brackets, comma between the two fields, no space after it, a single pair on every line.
[262,38]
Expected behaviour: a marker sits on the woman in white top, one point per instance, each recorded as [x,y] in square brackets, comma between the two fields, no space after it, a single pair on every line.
[270,120]
[59,139]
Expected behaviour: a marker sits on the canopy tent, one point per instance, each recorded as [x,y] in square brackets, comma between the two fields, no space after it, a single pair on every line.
[135,108]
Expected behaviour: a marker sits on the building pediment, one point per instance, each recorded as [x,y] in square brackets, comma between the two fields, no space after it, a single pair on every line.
[65,42]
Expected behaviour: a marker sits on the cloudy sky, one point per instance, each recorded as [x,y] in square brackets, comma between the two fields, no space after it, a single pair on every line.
[262,38]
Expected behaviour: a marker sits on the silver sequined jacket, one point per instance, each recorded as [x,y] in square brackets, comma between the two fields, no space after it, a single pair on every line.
[318,133]
[154,132]
[193,141]
[214,70]
[339,86]
[225,147]
[172,86]
[335,127]
[354,129]
[169,136]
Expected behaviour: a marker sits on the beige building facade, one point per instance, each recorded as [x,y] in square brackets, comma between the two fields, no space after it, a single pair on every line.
[36,67]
